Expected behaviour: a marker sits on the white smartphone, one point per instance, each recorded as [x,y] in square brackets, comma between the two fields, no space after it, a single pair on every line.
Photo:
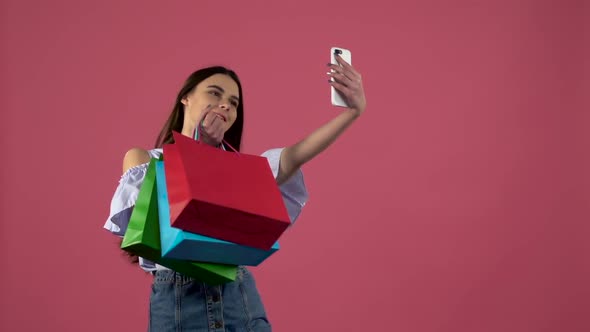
[337,98]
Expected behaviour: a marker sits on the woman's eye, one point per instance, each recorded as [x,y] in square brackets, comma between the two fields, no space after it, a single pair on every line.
[235,104]
[215,93]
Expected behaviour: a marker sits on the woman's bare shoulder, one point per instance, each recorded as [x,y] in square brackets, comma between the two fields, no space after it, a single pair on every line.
[135,157]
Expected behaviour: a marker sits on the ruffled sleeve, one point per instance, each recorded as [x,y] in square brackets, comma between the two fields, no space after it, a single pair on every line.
[122,205]
[293,190]
[124,199]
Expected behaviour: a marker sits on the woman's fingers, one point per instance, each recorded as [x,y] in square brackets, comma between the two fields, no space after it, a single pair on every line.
[341,88]
[213,128]
[346,66]
[346,80]
[340,71]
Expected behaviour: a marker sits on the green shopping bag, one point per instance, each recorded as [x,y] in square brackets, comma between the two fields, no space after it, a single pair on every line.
[142,237]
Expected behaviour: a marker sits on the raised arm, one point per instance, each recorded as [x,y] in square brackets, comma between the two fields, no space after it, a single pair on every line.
[348,82]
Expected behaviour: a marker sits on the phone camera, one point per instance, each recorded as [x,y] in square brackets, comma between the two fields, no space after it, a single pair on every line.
[337,51]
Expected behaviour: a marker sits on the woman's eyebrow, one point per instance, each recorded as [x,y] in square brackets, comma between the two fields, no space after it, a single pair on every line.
[222,91]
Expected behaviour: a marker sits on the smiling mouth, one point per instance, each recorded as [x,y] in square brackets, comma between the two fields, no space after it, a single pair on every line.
[221,117]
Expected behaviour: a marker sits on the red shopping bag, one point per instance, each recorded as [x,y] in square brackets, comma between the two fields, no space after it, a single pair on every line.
[224,195]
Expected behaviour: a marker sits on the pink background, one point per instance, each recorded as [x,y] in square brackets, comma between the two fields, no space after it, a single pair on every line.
[457,202]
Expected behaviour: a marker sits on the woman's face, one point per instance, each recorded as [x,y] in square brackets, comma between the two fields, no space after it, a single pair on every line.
[221,92]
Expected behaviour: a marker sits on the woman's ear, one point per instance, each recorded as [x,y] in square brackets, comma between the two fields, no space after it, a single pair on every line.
[184,101]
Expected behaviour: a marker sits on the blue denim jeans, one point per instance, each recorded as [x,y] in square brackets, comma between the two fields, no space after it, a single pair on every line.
[180,303]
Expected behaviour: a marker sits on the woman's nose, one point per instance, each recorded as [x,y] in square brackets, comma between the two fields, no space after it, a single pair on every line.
[224,106]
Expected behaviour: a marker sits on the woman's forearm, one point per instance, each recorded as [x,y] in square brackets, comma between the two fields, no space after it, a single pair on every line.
[294,156]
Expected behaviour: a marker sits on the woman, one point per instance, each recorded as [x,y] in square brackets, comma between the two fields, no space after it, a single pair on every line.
[212,97]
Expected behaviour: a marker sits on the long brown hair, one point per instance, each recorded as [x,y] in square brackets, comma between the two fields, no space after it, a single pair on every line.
[175,121]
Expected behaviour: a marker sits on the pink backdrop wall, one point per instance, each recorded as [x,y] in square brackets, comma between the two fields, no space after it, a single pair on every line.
[458,202]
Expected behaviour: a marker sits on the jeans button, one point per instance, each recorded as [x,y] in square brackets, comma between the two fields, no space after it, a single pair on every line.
[215,298]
